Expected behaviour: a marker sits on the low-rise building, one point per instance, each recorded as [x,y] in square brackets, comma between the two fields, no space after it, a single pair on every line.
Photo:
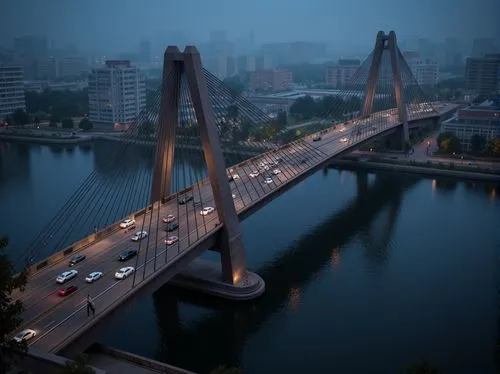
[270,80]
[482,119]
[340,74]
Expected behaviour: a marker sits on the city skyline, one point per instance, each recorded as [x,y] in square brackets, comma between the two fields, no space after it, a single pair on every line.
[93,27]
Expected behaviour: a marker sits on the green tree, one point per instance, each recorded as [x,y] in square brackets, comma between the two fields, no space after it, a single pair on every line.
[422,367]
[20,117]
[235,84]
[282,119]
[67,123]
[449,143]
[10,311]
[225,370]
[79,365]
[62,103]
[54,120]
[478,143]
[85,124]
[494,147]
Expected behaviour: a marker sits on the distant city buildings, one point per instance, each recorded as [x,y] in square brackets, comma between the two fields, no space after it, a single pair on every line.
[11,90]
[483,46]
[117,93]
[482,74]
[482,119]
[339,75]
[424,70]
[270,80]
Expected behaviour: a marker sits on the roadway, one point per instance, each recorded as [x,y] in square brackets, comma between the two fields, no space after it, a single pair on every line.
[56,318]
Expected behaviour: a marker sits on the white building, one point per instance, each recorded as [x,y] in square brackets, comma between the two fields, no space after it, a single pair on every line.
[217,65]
[340,74]
[425,71]
[117,93]
[245,64]
[11,90]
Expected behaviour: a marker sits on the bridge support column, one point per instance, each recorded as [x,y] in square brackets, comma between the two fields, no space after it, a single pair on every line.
[233,271]
[389,43]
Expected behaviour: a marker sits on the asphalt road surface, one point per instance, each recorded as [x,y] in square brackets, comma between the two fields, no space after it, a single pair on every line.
[56,318]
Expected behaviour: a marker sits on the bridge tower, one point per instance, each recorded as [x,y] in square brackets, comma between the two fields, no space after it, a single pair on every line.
[188,63]
[389,43]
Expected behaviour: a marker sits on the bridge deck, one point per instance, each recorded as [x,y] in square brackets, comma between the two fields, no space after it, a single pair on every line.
[58,320]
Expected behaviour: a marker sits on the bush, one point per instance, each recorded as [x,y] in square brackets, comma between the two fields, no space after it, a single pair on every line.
[67,123]
[85,124]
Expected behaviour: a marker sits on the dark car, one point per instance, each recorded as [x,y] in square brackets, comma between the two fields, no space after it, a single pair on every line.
[127,254]
[67,290]
[317,138]
[230,178]
[185,199]
[172,226]
[76,259]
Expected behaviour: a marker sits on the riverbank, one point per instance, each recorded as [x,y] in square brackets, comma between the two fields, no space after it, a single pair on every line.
[426,169]
[88,138]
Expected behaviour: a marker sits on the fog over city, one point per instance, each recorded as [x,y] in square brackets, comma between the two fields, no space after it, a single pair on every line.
[348,26]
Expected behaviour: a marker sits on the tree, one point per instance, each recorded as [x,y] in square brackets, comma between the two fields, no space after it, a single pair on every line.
[235,85]
[54,120]
[10,311]
[449,143]
[20,117]
[67,123]
[423,367]
[478,142]
[79,365]
[224,370]
[494,147]
[85,124]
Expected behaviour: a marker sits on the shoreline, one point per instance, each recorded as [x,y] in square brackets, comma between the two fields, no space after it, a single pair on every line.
[415,169]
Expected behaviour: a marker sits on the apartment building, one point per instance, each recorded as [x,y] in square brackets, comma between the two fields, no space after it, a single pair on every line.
[11,89]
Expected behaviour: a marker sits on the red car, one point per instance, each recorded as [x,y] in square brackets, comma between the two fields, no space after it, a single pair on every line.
[68,290]
[171,240]
[169,218]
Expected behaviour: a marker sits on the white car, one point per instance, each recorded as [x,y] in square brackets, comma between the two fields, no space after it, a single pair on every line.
[266,167]
[268,180]
[343,140]
[92,277]
[276,171]
[66,276]
[171,240]
[207,210]
[234,196]
[139,235]
[25,335]
[124,272]
[235,176]
[254,174]
[127,223]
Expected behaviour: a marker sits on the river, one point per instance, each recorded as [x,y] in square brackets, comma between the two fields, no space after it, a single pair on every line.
[365,273]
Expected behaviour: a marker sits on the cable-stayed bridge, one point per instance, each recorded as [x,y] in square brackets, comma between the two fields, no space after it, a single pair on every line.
[176,211]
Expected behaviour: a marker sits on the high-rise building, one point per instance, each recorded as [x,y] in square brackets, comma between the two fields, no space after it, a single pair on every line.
[73,66]
[264,63]
[245,64]
[117,93]
[482,74]
[425,71]
[217,65]
[270,80]
[11,89]
[47,68]
[340,74]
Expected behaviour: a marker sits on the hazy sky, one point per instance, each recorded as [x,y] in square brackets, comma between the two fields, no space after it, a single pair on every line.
[120,24]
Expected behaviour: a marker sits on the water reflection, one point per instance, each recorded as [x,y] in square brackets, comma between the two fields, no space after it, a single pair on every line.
[446,185]
[284,277]
[488,190]
[56,148]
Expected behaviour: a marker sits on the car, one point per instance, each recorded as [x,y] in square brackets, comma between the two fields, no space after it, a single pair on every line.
[127,254]
[317,138]
[235,176]
[66,276]
[276,171]
[234,196]
[124,272]
[266,167]
[253,174]
[139,235]
[92,277]
[172,226]
[168,218]
[127,223]
[207,210]
[185,199]
[67,290]
[76,259]
[24,335]
[171,240]
[230,178]
[343,140]
[268,180]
